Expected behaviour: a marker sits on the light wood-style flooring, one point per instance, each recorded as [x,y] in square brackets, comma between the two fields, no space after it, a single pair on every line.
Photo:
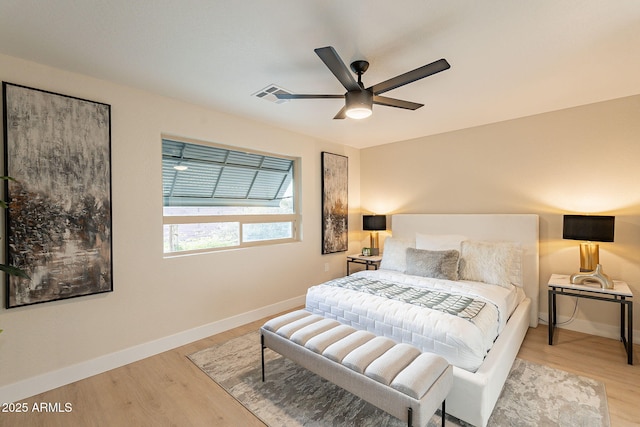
[168,390]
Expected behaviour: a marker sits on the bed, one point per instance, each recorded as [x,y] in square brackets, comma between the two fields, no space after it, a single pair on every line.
[476,316]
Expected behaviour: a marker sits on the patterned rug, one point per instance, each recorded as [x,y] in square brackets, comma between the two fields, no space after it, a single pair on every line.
[534,395]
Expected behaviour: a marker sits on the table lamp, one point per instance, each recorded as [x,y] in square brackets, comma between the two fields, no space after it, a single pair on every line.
[589,229]
[374,223]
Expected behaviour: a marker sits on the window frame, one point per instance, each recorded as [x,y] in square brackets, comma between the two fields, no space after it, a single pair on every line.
[294,218]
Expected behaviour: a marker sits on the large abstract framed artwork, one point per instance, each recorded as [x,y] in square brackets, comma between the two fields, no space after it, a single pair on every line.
[57,150]
[335,181]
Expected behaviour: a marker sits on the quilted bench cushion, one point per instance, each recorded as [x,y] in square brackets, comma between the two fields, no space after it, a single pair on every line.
[400,366]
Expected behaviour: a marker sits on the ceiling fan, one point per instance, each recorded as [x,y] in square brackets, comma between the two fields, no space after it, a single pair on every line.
[358,100]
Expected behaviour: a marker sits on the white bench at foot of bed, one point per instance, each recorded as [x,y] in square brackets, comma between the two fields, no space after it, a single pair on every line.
[396,378]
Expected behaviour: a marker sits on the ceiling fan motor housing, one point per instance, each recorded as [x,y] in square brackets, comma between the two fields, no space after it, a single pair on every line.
[359,103]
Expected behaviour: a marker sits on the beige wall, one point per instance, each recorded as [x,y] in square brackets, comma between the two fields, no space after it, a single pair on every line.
[154,297]
[579,160]
[526,165]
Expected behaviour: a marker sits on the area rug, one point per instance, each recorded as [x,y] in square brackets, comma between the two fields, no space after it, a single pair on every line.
[534,395]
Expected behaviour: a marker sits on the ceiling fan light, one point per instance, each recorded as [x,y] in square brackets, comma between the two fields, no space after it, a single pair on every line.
[359,103]
[358,113]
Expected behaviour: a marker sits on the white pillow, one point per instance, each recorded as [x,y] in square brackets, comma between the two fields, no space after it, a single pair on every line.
[394,256]
[439,242]
[489,262]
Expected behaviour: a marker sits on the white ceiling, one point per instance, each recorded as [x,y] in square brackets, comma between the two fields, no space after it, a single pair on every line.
[508,58]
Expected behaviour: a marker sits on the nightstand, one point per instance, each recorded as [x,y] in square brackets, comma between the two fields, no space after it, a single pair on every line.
[560,284]
[367,261]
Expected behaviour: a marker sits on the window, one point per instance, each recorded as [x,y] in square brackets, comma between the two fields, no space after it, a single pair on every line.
[215,197]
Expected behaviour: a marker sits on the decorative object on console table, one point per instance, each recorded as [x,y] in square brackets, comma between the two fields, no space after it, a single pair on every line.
[58,149]
[590,229]
[374,223]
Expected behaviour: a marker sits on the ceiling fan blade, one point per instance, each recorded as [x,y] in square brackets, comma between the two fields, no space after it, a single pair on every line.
[294,96]
[398,103]
[331,59]
[342,114]
[411,76]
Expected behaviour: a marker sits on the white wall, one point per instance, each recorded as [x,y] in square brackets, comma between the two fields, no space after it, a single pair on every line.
[579,160]
[161,301]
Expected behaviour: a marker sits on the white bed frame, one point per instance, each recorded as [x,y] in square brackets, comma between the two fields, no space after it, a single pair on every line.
[474,395]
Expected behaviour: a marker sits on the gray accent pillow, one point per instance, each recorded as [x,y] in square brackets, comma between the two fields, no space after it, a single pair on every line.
[435,264]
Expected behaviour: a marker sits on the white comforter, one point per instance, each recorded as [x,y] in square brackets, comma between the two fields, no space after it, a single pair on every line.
[463,343]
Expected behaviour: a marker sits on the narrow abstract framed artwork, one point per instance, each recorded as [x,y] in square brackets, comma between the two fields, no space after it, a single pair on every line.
[335,207]
[57,151]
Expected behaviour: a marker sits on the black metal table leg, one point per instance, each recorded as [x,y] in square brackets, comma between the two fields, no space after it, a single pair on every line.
[552,314]
[623,319]
[630,332]
[263,347]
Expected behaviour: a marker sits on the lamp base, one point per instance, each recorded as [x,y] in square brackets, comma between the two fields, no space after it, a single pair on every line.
[595,276]
[375,245]
[589,256]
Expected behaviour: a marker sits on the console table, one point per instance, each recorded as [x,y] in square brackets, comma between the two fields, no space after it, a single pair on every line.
[560,284]
[373,261]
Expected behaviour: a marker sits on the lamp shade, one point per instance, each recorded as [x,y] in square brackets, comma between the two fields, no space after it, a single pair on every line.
[592,228]
[374,222]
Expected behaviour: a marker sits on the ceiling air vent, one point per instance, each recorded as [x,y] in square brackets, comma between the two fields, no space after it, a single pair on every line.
[269,92]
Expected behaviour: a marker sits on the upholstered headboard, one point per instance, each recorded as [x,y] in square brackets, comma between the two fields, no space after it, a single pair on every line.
[522,228]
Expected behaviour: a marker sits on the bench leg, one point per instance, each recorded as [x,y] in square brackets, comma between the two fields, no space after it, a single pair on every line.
[263,347]
[410,415]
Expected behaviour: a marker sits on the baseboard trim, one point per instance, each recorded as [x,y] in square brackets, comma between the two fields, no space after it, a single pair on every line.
[54,379]
[588,327]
